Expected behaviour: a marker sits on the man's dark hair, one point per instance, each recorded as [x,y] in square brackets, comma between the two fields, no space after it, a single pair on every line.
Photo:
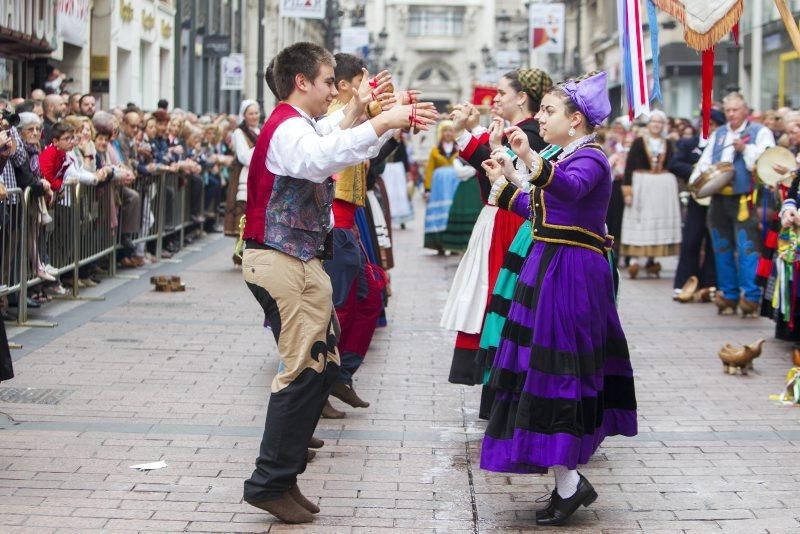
[28,105]
[299,58]
[269,77]
[163,104]
[348,67]
[84,97]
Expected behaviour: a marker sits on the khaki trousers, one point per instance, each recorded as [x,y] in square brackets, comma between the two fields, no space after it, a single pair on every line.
[297,300]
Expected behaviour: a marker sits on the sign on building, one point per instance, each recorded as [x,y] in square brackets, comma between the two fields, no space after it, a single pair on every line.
[232,75]
[546,27]
[303,9]
[72,19]
[216,45]
[355,40]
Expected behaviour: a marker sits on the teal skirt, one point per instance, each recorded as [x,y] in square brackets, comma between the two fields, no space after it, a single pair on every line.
[497,311]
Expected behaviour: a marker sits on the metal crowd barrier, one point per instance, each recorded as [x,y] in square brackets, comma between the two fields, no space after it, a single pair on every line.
[85,228]
[11,232]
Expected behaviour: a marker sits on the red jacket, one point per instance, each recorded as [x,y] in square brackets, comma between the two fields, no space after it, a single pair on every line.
[52,163]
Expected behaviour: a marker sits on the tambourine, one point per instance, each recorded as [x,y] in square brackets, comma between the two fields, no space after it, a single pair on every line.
[776,155]
[712,180]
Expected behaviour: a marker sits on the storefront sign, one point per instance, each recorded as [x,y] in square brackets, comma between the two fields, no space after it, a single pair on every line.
[31,26]
[303,9]
[72,19]
[232,75]
[216,45]
[546,27]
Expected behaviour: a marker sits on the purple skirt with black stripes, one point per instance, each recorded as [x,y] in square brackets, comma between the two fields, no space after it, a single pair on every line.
[562,372]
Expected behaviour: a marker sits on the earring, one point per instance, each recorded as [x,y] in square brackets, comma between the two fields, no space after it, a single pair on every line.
[571,132]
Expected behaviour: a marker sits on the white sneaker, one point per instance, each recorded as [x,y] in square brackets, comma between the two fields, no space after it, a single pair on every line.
[49,269]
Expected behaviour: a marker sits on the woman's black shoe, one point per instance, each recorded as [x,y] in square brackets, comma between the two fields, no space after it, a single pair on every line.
[547,510]
[562,509]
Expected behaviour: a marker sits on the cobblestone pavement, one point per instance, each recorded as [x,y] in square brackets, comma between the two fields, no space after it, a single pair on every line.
[184,378]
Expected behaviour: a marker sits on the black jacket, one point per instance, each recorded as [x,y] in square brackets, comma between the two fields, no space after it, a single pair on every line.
[687,154]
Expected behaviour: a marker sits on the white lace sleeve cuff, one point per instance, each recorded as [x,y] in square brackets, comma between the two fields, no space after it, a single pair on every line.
[497,188]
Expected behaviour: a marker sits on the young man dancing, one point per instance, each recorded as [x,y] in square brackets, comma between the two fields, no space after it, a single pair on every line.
[289,199]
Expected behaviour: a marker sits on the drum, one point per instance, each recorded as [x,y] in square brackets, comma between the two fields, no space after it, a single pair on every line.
[713,180]
[772,156]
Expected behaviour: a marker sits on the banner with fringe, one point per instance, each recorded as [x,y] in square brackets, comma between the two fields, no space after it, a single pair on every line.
[705,23]
[633,60]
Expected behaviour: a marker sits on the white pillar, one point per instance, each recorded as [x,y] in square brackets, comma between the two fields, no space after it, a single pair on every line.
[756,51]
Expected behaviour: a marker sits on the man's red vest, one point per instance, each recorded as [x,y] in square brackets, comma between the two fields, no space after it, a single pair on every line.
[260,180]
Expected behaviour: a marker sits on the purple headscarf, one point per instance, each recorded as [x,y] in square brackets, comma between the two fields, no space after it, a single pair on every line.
[591,97]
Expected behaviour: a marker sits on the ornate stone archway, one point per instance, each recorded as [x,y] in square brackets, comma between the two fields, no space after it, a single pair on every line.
[438,81]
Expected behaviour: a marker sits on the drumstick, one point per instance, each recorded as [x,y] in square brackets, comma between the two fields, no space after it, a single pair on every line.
[743,138]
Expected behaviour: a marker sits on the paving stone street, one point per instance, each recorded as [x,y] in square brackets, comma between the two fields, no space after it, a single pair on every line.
[184,377]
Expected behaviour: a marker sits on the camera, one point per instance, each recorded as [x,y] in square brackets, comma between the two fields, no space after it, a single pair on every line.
[8,120]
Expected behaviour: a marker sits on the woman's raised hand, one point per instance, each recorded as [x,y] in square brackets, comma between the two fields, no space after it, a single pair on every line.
[501,156]
[493,169]
[518,140]
[496,131]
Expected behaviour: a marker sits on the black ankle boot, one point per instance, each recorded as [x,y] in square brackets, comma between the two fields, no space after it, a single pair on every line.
[560,510]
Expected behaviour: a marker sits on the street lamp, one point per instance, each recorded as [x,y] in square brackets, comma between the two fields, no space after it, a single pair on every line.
[377,50]
[523,49]
[486,55]
[391,63]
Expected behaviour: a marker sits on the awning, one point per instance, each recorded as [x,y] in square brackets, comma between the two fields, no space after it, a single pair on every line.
[20,45]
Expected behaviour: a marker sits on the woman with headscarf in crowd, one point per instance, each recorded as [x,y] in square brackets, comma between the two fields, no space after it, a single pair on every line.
[244,141]
[562,373]
[441,182]
[651,223]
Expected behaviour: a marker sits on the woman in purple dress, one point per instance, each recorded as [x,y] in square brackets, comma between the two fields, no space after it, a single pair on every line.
[562,372]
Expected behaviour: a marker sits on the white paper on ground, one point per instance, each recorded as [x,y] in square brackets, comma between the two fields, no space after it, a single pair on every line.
[149,467]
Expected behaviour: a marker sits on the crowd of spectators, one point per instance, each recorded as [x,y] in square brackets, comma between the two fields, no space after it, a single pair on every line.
[50,141]
[685,148]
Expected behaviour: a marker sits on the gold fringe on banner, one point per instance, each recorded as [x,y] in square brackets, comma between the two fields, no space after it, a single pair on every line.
[702,41]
